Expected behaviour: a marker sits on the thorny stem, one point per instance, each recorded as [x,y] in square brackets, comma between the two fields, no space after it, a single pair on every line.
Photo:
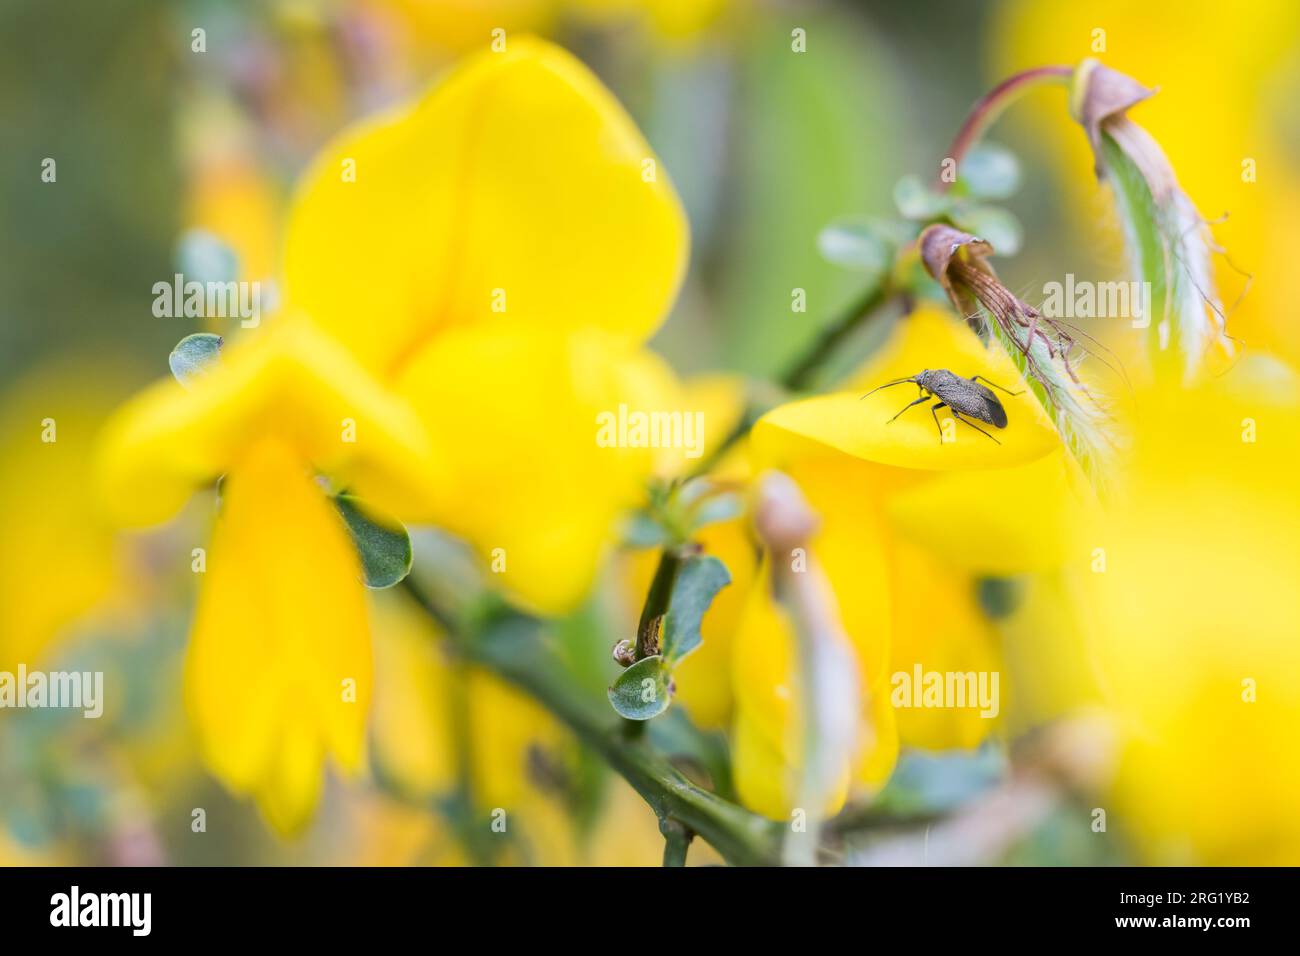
[514,649]
[990,106]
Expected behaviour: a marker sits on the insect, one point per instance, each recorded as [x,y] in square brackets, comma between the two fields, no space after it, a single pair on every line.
[962,396]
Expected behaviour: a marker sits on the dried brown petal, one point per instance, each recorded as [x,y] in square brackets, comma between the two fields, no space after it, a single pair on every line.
[940,244]
[1101,94]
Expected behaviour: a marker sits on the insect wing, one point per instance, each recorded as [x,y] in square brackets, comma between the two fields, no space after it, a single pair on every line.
[995,414]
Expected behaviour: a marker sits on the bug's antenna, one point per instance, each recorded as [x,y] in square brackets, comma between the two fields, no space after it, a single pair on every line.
[897,381]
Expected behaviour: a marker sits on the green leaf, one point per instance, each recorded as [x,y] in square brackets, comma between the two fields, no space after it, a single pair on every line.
[1145,243]
[719,507]
[641,691]
[937,783]
[857,244]
[916,201]
[194,356]
[698,582]
[643,530]
[989,171]
[385,547]
[202,257]
[993,223]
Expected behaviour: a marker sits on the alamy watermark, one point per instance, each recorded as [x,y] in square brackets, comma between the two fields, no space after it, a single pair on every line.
[70,690]
[639,429]
[1073,299]
[196,300]
[946,689]
[133,911]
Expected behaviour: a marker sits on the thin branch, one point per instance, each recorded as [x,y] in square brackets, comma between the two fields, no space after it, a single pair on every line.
[677,840]
[990,106]
[656,602]
[512,646]
[800,374]
[803,370]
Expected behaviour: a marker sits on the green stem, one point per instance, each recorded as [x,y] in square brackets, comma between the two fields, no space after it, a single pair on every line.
[800,374]
[803,370]
[648,629]
[512,647]
[677,840]
[657,600]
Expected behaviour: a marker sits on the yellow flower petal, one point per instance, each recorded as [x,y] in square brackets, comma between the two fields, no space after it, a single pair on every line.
[1001,521]
[49,519]
[279,631]
[939,626]
[517,185]
[851,545]
[703,679]
[1194,623]
[520,407]
[410,725]
[286,381]
[719,399]
[927,339]
[767,736]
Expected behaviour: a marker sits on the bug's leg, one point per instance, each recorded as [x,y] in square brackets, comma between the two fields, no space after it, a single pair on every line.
[909,405]
[976,427]
[934,413]
[981,378]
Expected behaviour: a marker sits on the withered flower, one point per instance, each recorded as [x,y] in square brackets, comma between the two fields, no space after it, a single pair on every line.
[1168,241]
[1043,349]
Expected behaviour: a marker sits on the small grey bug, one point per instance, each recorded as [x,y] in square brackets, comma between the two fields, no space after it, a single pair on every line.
[963,396]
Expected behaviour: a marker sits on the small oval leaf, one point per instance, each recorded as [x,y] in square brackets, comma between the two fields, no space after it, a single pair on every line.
[989,171]
[721,507]
[384,546]
[203,257]
[856,244]
[641,691]
[194,355]
[698,583]
[642,530]
[915,201]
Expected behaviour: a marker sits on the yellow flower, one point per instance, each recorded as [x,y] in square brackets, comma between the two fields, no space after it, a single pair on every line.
[908,525]
[767,733]
[1193,622]
[506,245]
[495,253]
[278,675]
[671,19]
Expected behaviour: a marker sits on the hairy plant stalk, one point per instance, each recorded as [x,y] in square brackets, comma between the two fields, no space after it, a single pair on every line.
[1027,336]
[1043,349]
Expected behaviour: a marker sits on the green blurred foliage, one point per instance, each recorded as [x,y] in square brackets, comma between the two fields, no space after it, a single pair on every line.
[89,85]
